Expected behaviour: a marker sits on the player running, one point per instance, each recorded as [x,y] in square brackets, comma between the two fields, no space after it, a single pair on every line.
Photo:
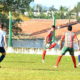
[49,41]
[68,37]
[2,43]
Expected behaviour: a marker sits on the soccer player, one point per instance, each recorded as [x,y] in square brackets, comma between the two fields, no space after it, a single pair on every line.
[2,42]
[68,37]
[49,41]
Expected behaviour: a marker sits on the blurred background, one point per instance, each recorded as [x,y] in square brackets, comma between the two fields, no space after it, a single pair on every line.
[31,20]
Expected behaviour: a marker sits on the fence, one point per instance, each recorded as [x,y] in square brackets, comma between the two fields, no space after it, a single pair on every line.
[35,46]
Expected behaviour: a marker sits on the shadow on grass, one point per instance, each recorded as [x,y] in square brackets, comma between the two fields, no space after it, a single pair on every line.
[23,69]
[20,61]
[45,69]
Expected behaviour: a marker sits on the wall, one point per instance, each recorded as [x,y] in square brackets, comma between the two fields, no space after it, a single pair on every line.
[27,43]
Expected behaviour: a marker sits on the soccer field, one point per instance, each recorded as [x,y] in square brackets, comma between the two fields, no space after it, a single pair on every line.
[29,67]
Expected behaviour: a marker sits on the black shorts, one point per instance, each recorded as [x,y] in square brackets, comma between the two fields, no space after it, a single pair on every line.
[2,50]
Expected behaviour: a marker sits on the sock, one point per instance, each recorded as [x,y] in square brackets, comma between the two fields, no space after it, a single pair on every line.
[43,55]
[58,60]
[74,61]
[2,57]
[52,45]
[79,58]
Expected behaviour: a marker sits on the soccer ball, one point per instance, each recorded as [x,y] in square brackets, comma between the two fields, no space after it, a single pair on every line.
[47,45]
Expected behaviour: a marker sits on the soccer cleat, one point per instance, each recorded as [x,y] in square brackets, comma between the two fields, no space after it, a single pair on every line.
[43,61]
[55,66]
[75,66]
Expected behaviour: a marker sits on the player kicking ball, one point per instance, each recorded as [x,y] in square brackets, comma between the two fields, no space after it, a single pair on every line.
[2,43]
[49,42]
[68,39]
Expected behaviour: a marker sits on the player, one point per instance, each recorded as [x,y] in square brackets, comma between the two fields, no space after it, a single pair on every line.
[2,43]
[49,41]
[68,37]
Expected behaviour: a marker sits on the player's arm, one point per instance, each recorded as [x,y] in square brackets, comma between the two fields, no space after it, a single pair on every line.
[47,38]
[62,39]
[76,40]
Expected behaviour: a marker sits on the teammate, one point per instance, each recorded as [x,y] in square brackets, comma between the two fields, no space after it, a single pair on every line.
[68,37]
[3,43]
[49,41]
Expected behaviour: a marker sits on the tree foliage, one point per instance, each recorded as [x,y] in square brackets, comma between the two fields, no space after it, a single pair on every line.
[16,6]
[77,10]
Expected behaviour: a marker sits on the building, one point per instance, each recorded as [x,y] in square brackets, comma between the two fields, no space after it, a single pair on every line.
[38,27]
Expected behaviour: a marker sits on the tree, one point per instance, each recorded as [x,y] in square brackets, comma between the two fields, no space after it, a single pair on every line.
[15,5]
[76,9]
[52,9]
[62,12]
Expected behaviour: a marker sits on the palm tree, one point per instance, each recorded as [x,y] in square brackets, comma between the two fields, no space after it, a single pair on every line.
[52,8]
[76,9]
[62,12]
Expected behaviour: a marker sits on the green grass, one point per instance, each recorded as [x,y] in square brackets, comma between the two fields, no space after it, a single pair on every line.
[29,67]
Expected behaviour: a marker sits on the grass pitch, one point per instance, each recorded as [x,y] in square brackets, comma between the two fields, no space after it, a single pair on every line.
[29,67]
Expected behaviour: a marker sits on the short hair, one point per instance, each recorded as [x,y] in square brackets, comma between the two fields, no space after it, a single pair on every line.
[69,27]
[53,26]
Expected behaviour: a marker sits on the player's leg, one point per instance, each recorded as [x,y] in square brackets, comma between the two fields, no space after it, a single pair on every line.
[52,45]
[46,46]
[2,50]
[64,50]
[58,60]
[43,55]
[74,61]
[73,57]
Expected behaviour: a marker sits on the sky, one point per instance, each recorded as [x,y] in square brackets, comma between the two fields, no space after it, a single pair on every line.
[57,3]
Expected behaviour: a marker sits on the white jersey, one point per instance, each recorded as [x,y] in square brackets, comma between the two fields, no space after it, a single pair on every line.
[2,35]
